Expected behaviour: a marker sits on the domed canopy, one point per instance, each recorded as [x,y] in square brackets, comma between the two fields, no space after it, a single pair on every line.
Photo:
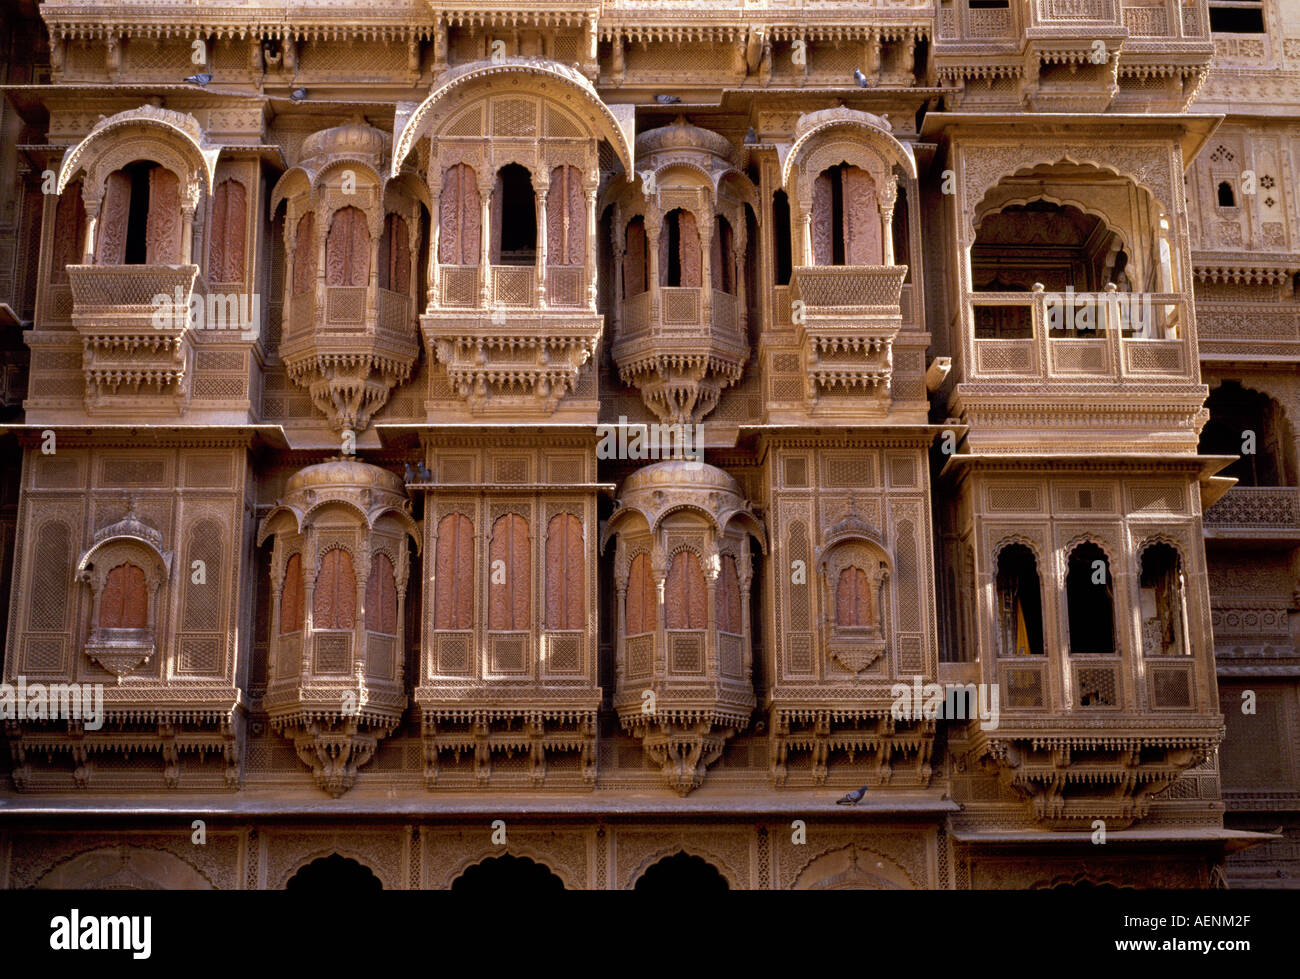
[352,139]
[371,491]
[664,487]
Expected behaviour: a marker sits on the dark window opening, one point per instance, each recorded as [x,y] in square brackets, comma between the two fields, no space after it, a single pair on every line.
[1020,608]
[1253,426]
[1226,196]
[837,214]
[1236,20]
[507,874]
[987,4]
[681,874]
[137,221]
[1090,601]
[781,236]
[1161,601]
[672,228]
[902,233]
[336,875]
[516,216]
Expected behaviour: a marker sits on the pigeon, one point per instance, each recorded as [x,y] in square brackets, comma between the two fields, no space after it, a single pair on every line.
[751,136]
[200,79]
[860,78]
[666,99]
[423,472]
[298,95]
[410,474]
[853,798]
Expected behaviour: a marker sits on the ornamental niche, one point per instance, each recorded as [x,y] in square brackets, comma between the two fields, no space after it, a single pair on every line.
[680,246]
[352,241]
[684,667]
[339,572]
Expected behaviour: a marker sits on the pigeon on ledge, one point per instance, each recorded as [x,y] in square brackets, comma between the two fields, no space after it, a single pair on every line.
[860,78]
[853,798]
[200,79]
[666,99]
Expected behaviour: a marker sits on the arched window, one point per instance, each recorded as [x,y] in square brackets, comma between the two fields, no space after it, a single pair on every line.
[781,237]
[381,596]
[636,279]
[124,603]
[845,218]
[454,573]
[69,233]
[1020,605]
[291,597]
[679,251]
[685,599]
[229,217]
[727,600]
[514,217]
[304,255]
[1162,602]
[564,564]
[347,249]
[334,600]
[641,599]
[509,575]
[1253,426]
[1226,196]
[721,256]
[395,256]
[855,606]
[1090,601]
[901,232]
[566,218]
[459,214]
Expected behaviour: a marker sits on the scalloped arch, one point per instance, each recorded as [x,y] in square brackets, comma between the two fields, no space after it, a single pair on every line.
[691,850]
[170,131]
[885,143]
[513,850]
[329,851]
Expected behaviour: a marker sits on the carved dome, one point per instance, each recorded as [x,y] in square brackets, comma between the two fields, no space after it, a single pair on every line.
[344,475]
[354,138]
[681,474]
[682,135]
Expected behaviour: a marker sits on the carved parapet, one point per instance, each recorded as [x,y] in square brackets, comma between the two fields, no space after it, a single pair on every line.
[1072,772]
[134,323]
[1256,512]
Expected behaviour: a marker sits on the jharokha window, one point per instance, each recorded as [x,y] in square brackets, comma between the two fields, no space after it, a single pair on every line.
[395,256]
[347,250]
[564,564]
[640,603]
[381,597]
[845,218]
[1020,607]
[334,600]
[1090,601]
[454,573]
[459,214]
[685,599]
[229,217]
[140,217]
[855,606]
[124,603]
[510,576]
[679,250]
[291,604]
[1164,610]
[566,218]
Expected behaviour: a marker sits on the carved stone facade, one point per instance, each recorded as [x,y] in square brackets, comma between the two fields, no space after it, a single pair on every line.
[638,422]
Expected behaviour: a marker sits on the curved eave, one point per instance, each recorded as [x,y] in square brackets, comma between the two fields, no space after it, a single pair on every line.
[72,163]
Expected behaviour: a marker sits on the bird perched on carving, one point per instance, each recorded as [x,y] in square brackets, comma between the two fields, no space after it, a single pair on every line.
[860,78]
[751,136]
[201,79]
[666,99]
[298,95]
[410,474]
[422,471]
[853,798]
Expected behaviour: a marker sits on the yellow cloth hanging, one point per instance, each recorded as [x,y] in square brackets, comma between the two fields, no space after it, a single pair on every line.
[1022,633]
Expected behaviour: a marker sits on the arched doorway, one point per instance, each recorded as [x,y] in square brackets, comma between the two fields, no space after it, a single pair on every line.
[682,873]
[334,873]
[507,874]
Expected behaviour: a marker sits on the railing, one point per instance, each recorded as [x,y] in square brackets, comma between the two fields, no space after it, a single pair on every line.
[394,315]
[636,315]
[843,287]
[564,286]
[458,286]
[1071,334]
[302,311]
[129,288]
[511,286]
[1076,11]
[1257,508]
[345,307]
[681,312]
[962,23]
[514,285]
[679,306]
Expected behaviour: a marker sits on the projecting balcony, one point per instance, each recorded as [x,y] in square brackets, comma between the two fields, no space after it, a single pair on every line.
[681,346]
[847,317]
[1255,513]
[513,336]
[134,322]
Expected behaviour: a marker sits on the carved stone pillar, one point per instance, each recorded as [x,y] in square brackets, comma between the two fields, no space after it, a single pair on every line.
[873,57]
[541,189]
[435,229]
[706,272]
[593,258]
[485,189]
[92,225]
[187,233]
[888,196]
[440,46]
[618,69]
[652,257]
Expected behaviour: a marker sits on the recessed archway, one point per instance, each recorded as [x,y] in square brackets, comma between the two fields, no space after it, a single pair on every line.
[682,873]
[507,874]
[334,873]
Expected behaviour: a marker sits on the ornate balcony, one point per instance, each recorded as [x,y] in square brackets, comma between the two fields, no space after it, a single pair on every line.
[1256,512]
[134,322]
[681,346]
[847,318]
